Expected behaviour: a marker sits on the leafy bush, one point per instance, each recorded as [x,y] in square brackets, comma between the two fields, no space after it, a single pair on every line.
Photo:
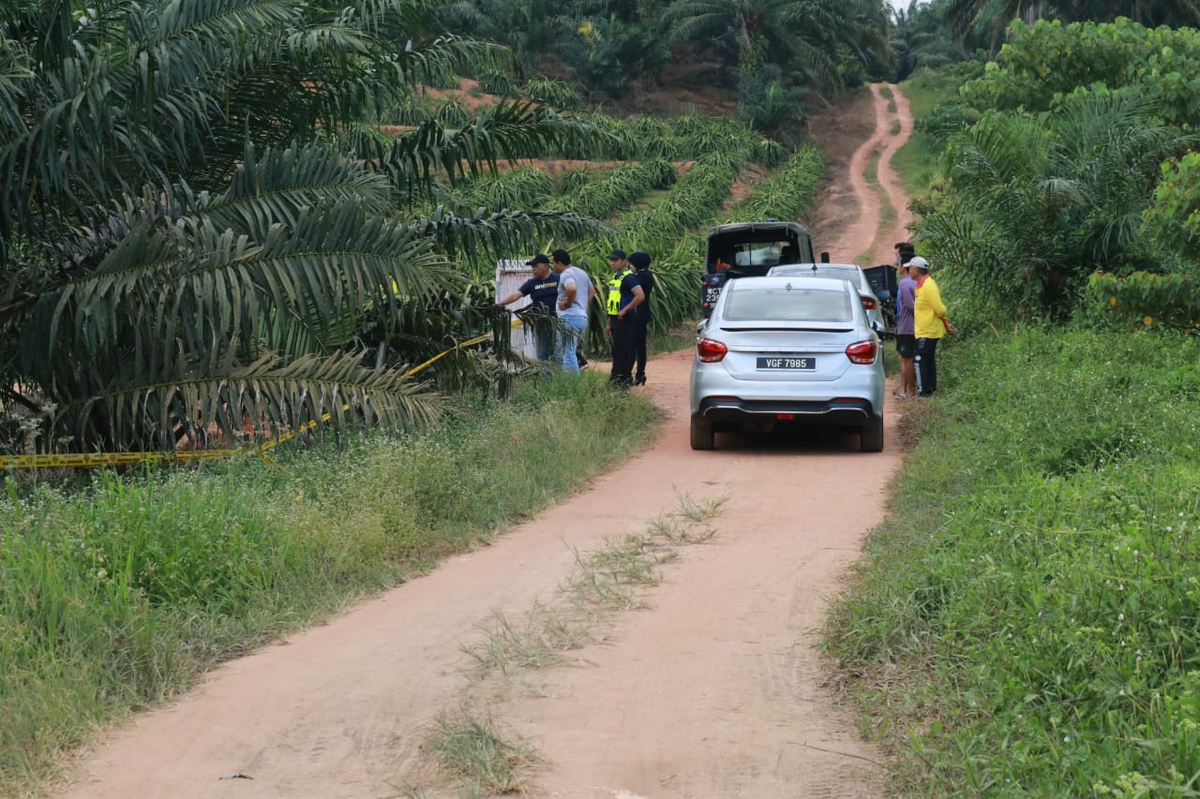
[1033,592]
[524,189]
[617,188]
[555,93]
[608,55]
[787,193]
[500,84]
[766,104]
[1044,63]
[1035,204]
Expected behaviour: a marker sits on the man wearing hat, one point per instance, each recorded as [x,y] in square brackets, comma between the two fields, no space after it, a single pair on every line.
[625,294]
[640,261]
[929,323]
[542,289]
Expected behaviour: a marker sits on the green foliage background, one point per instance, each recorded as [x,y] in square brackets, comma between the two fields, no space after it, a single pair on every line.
[1033,596]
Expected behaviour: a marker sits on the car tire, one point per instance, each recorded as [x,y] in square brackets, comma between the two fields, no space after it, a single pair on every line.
[703,436]
[871,439]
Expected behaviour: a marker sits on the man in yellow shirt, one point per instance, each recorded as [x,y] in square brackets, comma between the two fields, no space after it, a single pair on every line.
[930,324]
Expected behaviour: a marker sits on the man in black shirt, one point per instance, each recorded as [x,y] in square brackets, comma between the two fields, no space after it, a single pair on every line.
[542,289]
[640,261]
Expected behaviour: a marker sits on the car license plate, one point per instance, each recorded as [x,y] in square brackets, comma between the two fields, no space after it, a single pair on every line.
[787,362]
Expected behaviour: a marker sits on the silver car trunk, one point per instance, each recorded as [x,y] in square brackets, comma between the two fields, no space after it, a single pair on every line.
[806,355]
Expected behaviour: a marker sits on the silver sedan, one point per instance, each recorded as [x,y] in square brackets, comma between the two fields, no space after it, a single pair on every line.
[781,350]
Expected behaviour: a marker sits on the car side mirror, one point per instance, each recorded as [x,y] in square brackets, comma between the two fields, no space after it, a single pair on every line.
[878,327]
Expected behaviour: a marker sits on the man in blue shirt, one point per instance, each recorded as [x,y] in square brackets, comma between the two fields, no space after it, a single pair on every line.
[542,289]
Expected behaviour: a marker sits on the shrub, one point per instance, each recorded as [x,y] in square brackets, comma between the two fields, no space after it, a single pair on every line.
[1033,590]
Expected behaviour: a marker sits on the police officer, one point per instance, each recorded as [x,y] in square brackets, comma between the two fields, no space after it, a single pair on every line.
[641,262]
[625,294]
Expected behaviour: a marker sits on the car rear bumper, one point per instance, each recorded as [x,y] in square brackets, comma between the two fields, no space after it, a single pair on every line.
[733,411]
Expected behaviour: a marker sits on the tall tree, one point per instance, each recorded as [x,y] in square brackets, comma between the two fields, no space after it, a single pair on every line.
[198,219]
[966,15]
[788,33]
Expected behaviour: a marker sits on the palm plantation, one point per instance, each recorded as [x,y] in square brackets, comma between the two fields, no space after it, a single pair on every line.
[198,223]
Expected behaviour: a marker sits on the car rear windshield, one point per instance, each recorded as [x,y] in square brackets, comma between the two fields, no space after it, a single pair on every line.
[788,305]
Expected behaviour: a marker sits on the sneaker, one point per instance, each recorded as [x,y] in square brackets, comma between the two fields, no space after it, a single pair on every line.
[640,380]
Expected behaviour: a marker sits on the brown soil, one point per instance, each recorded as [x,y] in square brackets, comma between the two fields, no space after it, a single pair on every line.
[848,221]
[716,690]
[468,93]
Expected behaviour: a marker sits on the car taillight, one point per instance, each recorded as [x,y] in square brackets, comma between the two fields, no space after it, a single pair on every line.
[869,303]
[862,351]
[710,351]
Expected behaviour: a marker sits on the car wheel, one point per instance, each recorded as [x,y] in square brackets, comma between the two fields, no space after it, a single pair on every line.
[703,436]
[872,436]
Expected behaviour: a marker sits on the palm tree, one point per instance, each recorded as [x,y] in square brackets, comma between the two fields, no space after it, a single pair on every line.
[198,220]
[791,34]
[921,38]
[1035,204]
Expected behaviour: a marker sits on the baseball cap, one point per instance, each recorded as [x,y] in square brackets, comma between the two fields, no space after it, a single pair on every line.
[538,259]
[640,259]
[918,262]
[616,255]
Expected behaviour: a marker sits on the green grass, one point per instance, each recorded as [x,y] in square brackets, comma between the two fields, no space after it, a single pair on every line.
[484,757]
[887,214]
[885,92]
[1026,620]
[116,595]
[916,162]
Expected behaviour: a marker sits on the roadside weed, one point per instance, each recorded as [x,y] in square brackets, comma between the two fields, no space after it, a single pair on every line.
[117,594]
[480,753]
[1025,620]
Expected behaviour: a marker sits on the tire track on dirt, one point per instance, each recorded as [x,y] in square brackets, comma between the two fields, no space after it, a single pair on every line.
[865,234]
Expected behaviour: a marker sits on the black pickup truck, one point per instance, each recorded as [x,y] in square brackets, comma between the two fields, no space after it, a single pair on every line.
[746,249]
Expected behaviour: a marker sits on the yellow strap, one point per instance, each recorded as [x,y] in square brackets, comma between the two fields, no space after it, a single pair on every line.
[91,460]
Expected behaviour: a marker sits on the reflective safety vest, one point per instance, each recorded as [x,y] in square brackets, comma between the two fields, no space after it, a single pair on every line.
[614,291]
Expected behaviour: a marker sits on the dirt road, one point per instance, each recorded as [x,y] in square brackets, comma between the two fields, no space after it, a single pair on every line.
[715,690]
[854,228]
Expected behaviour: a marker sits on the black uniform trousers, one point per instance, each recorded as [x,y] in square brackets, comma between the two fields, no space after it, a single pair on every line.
[639,348]
[623,331]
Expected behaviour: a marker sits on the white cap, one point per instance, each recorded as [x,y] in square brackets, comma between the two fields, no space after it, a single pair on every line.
[918,262]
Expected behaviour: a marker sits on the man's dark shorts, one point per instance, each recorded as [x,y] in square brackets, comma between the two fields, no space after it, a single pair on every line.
[906,345]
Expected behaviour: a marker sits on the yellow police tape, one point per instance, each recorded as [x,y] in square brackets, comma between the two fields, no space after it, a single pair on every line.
[81,460]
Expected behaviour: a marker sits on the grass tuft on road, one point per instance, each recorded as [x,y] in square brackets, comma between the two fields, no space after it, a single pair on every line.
[486,758]
[1025,621]
[609,579]
[117,594]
